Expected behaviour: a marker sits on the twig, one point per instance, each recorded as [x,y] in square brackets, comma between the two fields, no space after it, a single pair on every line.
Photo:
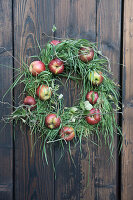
[52,141]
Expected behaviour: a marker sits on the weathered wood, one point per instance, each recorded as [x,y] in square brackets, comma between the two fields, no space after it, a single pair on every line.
[127,158]
[74,22]
[74,19]
[33,179]
[109,40]
[6,147]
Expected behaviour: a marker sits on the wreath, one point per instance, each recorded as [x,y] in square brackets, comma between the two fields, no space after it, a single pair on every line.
[43,108]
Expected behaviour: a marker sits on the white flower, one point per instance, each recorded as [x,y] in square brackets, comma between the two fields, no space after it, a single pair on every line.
[73,120]
[99,52]
[88,106]
[60,96]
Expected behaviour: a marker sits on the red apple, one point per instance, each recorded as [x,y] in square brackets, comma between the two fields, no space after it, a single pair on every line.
[55,42]
[92,97]
[56,66]
[52,121]
[36,67]
[96,78]
[67,133]
[44,92]
[30,101]
[86,54]
[93,117]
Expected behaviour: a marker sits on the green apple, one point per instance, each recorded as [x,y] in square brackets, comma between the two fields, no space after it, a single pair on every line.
[95,78]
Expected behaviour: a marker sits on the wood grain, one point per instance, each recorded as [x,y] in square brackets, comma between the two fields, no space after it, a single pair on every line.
[127,158]
[93,20]
[71,21]
[109,41]
[6,61]
[33,178]
[74,19]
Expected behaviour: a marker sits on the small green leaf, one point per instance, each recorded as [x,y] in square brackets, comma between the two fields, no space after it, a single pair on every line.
[73,109]
[19,113]
[82,106]
[86,112]
[54,28]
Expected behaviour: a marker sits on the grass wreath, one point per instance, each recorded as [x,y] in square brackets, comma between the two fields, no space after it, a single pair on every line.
[43,108]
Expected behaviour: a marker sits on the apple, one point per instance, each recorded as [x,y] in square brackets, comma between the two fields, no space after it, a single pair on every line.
[96,78]
[67,133]
[92,97]
[93,117]
[56,66]
[30,101]
[44,92]
[55,42]
[36,67]
[52,121]
[86,54]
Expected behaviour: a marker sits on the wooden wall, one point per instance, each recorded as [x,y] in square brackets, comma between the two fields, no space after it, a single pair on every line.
[22,177]
[6,79]
[127,98]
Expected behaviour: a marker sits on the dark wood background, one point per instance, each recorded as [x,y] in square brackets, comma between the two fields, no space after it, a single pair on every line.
[110,24]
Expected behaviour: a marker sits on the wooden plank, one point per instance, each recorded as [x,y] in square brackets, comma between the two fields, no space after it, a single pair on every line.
[71,184]
[74,19]
[6,61]
[33,179]
[108,38]
[127,158]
